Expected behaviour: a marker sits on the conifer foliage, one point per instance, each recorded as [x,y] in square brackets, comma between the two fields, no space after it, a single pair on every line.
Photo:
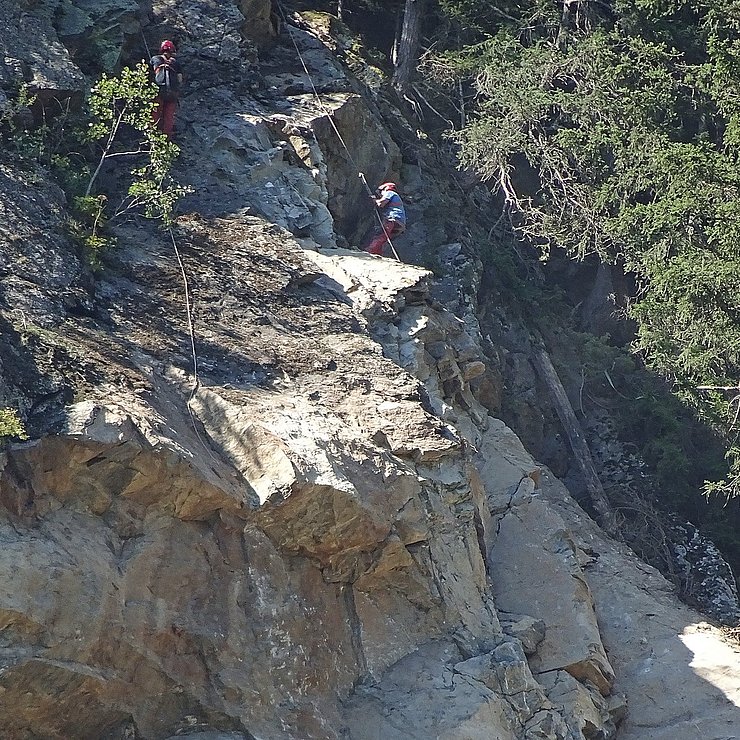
[625,120]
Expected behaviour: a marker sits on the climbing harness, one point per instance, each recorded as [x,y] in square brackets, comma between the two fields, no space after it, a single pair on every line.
[329,117]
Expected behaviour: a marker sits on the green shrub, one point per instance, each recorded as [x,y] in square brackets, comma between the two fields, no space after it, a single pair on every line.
[11,425]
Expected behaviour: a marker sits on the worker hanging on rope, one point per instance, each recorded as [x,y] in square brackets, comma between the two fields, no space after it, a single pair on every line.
[392,217]
[168,76]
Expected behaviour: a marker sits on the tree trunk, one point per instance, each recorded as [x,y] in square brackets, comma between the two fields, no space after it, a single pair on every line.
[573,430]
[576,14]
[408,47]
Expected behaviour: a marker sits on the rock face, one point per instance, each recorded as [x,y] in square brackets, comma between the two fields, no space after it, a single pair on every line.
[33,54]
[300,519]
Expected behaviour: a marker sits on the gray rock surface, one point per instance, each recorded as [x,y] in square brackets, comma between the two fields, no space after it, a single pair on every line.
[325,534]
[33,55]
[652,641]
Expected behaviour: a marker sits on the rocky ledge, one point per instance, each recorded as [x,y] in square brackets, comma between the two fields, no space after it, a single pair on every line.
[299,519]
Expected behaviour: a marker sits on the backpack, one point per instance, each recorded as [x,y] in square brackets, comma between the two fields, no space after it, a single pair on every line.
[166,78]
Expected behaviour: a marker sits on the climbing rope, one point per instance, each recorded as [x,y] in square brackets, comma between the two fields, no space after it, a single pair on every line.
[188,313]
[329,117]
[377,214]
[191,332]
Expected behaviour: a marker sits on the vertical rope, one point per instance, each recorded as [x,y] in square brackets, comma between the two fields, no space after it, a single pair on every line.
[329,117]
[189,314]
[191,332]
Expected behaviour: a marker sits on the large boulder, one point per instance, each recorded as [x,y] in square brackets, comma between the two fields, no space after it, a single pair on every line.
[536,569]
[236,558]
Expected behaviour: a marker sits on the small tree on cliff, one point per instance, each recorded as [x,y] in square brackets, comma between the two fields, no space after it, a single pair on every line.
[121,125]
[126,103]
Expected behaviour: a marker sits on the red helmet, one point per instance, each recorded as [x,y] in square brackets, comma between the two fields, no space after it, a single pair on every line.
[388,186]
[167,46]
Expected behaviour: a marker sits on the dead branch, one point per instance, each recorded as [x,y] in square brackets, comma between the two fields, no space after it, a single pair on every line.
[572,427]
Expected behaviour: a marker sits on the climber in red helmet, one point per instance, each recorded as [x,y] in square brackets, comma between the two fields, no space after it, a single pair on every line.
[392,214]
[168,76]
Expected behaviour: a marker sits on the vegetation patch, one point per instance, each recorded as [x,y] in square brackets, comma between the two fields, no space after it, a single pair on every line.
[76,146]
[614,129]
[11,426]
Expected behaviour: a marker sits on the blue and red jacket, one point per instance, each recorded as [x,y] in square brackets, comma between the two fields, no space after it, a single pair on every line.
[391,208]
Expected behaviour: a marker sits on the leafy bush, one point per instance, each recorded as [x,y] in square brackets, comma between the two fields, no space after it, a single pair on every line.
[11,425]
[117,123]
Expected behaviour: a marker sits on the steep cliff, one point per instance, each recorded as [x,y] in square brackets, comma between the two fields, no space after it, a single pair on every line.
[299,519]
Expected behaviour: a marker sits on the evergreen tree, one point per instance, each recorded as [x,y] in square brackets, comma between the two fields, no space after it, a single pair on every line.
[614,128]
